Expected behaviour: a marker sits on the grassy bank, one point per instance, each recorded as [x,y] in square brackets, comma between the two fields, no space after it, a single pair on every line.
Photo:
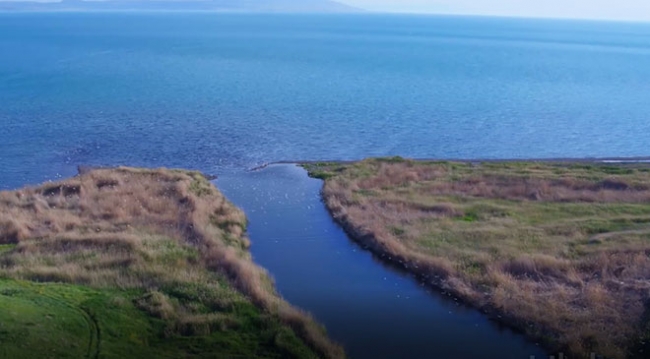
[560,251]
[139,263]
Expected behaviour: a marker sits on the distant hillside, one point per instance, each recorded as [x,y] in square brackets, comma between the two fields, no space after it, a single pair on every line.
[180,5]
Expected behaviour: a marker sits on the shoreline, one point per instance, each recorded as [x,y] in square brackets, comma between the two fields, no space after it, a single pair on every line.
[166,237]
[597,160]
[614,159]
[429,273]
[402,263]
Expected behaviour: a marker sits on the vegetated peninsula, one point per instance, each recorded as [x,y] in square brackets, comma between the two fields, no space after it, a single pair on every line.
[560,251]
[135,263]
[292,6]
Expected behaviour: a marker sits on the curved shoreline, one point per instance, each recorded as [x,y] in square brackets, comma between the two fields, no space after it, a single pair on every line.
[423,274]
[427,269]
[114,228]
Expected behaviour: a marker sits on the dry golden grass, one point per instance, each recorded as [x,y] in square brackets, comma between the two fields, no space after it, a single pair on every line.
[560,251]
[143,229]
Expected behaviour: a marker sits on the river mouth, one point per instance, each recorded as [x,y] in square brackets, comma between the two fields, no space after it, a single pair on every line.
[373,310]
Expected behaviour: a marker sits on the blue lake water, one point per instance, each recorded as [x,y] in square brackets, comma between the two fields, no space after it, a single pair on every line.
[222,93]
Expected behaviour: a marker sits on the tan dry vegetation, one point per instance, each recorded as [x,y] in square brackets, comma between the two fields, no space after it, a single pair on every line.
[559,251]
[144,229]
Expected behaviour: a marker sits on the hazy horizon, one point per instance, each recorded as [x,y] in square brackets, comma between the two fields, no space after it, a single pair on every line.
[634,10]
[623,10]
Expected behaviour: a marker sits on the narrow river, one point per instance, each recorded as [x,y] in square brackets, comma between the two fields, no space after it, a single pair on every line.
[372,310]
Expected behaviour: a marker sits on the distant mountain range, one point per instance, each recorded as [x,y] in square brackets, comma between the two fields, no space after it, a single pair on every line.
[181,5]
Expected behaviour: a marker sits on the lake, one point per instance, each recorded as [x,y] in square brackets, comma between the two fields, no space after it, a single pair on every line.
[222,93]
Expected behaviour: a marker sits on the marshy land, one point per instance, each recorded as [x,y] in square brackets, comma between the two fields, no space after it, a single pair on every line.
[130,262]
[560,251]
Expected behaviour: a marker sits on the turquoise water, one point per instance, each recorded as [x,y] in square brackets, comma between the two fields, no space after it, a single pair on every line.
[222,93]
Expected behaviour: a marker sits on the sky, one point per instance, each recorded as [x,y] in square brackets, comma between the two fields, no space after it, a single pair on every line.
[589,9]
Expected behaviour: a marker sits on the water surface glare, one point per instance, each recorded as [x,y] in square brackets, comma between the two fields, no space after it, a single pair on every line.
[374,311]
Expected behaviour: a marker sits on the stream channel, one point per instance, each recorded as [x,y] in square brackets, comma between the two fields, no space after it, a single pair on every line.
[373,310]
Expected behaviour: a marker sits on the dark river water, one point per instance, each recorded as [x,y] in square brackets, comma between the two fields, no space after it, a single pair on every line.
[373,310]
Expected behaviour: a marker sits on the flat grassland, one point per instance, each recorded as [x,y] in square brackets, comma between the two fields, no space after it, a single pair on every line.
[560,251]
[134,263]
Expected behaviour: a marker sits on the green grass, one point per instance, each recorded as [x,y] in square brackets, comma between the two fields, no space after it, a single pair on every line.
[323,170]
[180,318]
[41,320]
[33,324]
[4,248]
[200,186]
[67,321]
